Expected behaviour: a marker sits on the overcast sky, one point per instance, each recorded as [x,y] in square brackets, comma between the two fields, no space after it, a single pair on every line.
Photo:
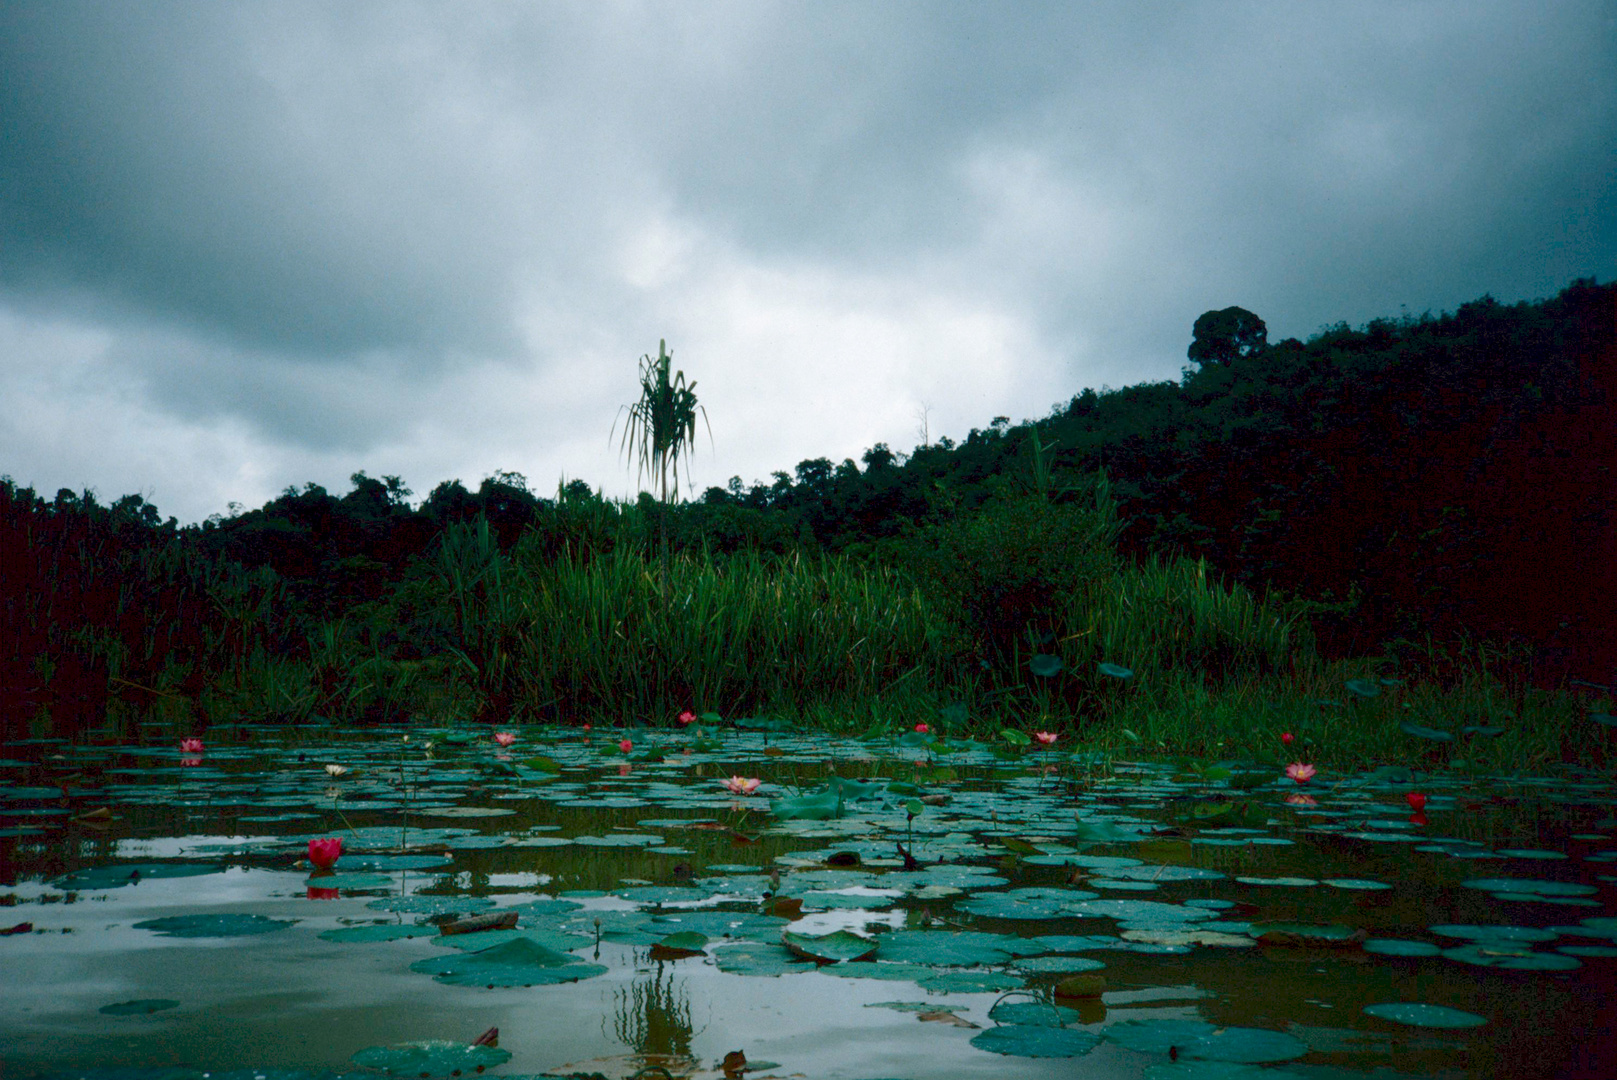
[249,245]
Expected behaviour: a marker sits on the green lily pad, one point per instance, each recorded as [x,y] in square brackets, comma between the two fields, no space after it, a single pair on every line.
[829,948]
[1115,671]
[970,982]
[1527,934]
[1029,1040]
[1035,1013]
[955,948]
[140,1007]
[1250,1046]
[1499,954]
[435,1057]
[519,962]
[758,958]
[118,875]
[1426,1016]
[1400,947]
[1157,1036]
[197,926]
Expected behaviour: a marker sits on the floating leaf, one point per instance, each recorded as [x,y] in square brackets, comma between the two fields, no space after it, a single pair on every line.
[1426,1016]
[196,926]
[519,962]
[1115,671]
[435,1057]
[829,948]
[1028,1040]
[1014,737]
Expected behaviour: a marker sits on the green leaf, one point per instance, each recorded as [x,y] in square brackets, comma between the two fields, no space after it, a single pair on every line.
[1045,665]
[1427,1016]
[1116,671]
[1421,732]
[542,763]
[519,962]
[829,948]
[1015,738]
[1039,1041]
[435,1057]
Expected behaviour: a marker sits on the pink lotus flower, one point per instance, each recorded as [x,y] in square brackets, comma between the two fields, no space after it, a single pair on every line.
[191,745]
[625,746]
[1286,738]
[687,718]
[922,728]
[741,785]
[325,851]
[1300,772]
[1048,738]
[1417,801]
[504,738]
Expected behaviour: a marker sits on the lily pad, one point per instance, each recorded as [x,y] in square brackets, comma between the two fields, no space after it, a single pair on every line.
[519,962]
[1426,1016]
[1030,1040]
[199,926]
[1498,954]
[435,1057]
[829,948]
[1036,1013]
[388,932]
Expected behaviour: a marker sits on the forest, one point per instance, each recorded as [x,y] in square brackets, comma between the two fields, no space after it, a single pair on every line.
[1421,508]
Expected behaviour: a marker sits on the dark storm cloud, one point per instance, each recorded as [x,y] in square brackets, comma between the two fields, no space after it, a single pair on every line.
[305,232]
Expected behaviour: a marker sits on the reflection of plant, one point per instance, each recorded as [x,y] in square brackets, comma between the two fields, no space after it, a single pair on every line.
[654,1016]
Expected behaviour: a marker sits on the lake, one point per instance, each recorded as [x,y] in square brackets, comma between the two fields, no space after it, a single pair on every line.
[876,908]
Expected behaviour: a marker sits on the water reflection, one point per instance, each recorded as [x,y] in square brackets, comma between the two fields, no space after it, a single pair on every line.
[653,1015]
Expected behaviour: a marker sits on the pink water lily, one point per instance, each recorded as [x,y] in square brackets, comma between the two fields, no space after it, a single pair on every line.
[1048,738]
[922,728]
[1300,772]
[687,718]
[741,785]
[504,738]
[1416,800]
[625,746]
[1286,737]
[191,745]
[325,850]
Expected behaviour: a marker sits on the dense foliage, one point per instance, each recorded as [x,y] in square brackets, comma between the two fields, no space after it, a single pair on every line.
[1433,491]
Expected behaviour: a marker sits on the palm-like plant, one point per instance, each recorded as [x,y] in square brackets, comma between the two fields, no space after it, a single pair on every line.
[662,425]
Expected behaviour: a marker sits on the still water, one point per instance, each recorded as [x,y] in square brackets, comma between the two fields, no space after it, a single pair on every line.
[1244,927]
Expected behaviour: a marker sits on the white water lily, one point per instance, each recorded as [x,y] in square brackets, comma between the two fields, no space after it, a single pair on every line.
[336,770]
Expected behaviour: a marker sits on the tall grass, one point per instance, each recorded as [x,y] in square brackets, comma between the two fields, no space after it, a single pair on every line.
[748,634]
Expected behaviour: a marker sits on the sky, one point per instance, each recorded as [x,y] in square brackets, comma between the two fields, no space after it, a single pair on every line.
[246,246]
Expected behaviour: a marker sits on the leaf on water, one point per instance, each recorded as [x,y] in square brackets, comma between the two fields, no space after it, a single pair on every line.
[829,948]
[1116,671]
[435,1057]
[1426,1016]
[1026,1040]
[519,962]
[196,926]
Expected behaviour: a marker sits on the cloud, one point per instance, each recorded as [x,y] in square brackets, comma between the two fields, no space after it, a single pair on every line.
[266,243]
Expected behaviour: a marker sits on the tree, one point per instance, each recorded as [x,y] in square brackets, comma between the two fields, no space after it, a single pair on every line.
[1221,337]
[662,424]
